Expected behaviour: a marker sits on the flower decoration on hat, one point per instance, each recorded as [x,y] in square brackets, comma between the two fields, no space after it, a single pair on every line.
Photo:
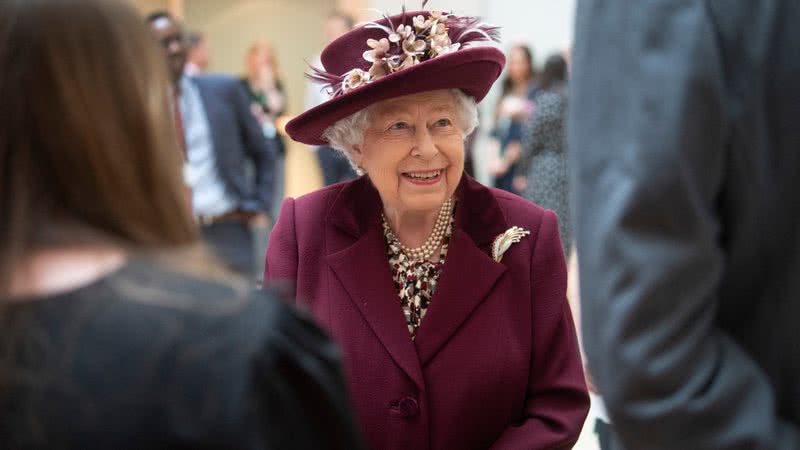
[410,41]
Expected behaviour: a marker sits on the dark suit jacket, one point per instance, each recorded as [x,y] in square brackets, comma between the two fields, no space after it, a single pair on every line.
[239,143]
[686,150]
[495,363]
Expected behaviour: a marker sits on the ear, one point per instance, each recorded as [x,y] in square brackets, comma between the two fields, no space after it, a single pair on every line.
[356,154]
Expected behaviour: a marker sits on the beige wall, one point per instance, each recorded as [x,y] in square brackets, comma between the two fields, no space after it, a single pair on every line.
[230,26]
[293,26]
[147,6]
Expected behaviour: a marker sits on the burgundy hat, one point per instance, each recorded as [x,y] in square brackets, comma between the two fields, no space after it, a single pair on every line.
[400,55]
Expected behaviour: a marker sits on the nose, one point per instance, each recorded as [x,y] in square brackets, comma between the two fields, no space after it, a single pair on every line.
[425,147]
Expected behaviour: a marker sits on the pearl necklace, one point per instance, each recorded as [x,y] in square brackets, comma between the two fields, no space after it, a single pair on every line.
[434,241]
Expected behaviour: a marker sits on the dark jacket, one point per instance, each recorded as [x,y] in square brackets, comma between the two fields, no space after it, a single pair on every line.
[245,158]
[495,363]
[686,149]
[150,358]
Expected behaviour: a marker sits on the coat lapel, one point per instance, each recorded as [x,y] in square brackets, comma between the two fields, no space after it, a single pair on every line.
[214,115]
[357,255]
[469,273]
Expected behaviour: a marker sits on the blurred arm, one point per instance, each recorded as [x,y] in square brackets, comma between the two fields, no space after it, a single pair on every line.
[647,138]
[299,392]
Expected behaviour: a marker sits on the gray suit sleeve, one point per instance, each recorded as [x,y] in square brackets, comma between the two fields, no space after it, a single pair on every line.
[647,139]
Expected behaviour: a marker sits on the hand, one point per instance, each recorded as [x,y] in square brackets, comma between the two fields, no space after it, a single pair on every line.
[513,152]
[498,167]
[520,183]
[258,113]
[260,220]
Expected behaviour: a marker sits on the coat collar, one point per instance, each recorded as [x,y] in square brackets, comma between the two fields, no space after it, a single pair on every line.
[358,207]
[357,255]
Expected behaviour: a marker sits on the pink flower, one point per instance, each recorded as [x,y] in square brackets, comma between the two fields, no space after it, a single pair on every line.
[354,79]
[447,49]
[379,49]
[414,47]
[379,68]
[409,61]
[403,32]
[394,62]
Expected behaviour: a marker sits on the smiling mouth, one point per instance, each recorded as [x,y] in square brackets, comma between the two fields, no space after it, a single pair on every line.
[424,177]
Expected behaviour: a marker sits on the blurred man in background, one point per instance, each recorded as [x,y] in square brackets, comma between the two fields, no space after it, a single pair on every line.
[197,57]
[222,142]
[686,154]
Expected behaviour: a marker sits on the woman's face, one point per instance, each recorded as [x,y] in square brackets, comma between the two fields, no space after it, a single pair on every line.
[259,59]
[518,67]
[413,150]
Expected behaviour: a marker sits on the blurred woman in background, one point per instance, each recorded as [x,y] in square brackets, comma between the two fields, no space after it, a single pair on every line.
[268,102]
[513,108]
[542,166]
[116,330]
[263,83]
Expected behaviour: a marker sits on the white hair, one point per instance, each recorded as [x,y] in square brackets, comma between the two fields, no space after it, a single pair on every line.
[348,132]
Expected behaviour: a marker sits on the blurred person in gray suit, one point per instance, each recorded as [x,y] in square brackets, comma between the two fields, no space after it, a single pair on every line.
[229,163]
[685,157]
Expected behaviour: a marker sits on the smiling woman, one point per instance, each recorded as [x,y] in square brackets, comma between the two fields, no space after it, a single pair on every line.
[412,146]
[349,131]
[446,344]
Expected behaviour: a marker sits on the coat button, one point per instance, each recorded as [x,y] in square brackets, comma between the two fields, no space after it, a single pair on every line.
[406,407]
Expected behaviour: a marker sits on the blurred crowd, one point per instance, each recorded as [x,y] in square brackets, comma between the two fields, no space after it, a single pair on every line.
[526,153]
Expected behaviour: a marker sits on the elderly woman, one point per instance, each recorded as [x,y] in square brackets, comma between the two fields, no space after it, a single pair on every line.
[447,297]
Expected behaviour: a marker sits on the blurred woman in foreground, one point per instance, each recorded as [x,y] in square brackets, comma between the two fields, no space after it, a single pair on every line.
[115,330]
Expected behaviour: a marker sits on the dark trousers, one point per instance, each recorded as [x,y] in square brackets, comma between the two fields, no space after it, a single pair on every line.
[605,434]
[334,165]
[232,242]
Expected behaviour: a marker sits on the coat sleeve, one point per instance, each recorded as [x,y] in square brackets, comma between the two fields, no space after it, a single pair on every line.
[647,142]
[280,267]
[557,400]
[262,152]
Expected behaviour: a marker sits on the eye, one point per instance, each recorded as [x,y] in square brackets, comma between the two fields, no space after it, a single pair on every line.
[398,126]
[443,123]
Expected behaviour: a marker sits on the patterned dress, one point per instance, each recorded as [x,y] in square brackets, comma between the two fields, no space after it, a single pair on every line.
[414,280]
[544,158]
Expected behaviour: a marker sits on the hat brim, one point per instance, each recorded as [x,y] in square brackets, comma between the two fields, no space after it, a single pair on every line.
[473,70]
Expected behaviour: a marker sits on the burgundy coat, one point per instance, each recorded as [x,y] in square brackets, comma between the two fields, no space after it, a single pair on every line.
[495,363]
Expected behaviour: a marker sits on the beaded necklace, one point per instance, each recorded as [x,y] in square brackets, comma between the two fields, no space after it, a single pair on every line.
[434,241]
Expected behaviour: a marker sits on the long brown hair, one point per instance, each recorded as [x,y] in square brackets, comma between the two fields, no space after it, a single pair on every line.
[88,148]
[508,83]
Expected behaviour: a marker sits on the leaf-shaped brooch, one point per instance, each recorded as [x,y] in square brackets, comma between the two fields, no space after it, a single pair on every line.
[504,240]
